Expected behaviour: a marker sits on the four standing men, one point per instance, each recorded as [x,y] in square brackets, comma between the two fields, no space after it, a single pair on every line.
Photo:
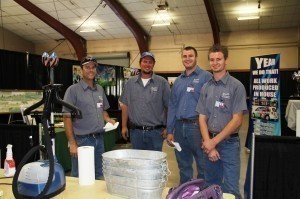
[146,99]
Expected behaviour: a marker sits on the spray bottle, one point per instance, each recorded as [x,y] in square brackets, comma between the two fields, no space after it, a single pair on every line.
[9,163]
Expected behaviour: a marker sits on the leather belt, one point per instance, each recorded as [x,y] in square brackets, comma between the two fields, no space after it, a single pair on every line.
[90,135]
[211,135]
[147,128]
[189,121]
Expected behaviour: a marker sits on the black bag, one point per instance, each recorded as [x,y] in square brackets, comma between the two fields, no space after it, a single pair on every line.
[195,189]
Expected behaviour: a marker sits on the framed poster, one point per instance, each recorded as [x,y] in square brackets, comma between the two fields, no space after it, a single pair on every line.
[106,75]
[12,100]
[77,74]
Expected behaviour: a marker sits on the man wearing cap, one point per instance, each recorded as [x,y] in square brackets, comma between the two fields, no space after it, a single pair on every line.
[144,105]
[87,131]
[183,123]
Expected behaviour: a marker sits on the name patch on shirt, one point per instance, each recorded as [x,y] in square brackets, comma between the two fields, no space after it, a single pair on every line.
[219,104]
[99,105]
[190,89]
[100,102]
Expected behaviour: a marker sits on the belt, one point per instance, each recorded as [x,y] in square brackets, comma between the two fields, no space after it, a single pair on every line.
[90,135]
[211,135]
[189,121]
[148,128]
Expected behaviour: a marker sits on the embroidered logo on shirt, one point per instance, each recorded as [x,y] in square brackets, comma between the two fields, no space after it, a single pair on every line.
[154,89]
[196,81]
[226,95]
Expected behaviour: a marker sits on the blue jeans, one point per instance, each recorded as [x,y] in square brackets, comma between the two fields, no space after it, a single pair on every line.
[226,171]
[147,140]
[189,137]
[98,144]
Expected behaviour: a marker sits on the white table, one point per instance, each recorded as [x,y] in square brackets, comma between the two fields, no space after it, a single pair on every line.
[73,189]
[291,114]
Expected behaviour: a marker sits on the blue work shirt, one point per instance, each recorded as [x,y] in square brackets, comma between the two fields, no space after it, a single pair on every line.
[184,96]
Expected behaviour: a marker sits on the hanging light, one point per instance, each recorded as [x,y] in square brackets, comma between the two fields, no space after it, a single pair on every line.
[162,17]
[248,17]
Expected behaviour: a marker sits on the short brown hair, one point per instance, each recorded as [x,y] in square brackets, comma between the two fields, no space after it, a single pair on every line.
[191,48]
[218,48]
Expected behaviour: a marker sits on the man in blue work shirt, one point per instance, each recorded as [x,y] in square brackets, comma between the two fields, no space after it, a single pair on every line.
[183,123]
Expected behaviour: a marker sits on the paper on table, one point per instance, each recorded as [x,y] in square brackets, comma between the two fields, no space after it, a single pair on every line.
[109,126]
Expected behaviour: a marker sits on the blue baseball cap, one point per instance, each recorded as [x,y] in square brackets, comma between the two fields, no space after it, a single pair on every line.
[145,54]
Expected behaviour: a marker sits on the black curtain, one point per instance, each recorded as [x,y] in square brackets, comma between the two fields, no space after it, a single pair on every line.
[17,73]
[18,136]
[276,167]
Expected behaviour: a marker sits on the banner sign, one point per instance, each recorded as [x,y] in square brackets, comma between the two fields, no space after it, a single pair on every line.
[265,95]
[264,104]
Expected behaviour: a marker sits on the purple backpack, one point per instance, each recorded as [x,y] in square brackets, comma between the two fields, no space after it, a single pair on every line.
[195,189]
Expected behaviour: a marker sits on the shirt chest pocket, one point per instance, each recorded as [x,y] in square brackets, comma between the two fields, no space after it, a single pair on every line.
[86,103]
[153,95]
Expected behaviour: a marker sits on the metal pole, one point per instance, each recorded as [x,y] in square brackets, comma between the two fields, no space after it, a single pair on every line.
[252,166]
[52,125]
[40,138]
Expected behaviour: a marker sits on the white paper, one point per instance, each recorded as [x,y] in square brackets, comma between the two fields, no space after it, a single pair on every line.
[109,126]
[176,145]
[86,165]
[298,123]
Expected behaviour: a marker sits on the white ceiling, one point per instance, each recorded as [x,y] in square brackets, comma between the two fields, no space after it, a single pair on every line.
[188,17]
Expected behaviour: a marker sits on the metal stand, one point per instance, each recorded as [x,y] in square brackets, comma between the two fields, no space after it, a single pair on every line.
[252,166]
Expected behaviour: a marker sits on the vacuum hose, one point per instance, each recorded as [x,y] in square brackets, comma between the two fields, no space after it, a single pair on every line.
[47,148]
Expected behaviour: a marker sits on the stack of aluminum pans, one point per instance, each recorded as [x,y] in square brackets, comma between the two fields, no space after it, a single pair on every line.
[135,173]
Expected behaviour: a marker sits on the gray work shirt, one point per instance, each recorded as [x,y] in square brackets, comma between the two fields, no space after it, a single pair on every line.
[92,102]
[147,105]
[219,100]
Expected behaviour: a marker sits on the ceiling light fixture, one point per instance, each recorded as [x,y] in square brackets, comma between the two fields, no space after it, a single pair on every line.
[161,24]
[248,18]
[88,30]
[162,17]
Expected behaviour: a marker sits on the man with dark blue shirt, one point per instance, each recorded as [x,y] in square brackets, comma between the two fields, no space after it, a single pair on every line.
[183,123]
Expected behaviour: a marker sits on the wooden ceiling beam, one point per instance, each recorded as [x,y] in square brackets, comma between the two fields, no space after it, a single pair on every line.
[142,38]
[78,42]
[213,20]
